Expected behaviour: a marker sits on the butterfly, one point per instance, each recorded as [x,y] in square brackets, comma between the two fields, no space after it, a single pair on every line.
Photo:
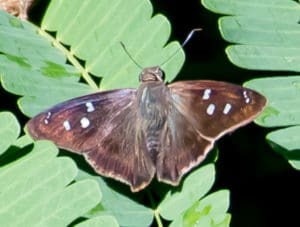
[157,130]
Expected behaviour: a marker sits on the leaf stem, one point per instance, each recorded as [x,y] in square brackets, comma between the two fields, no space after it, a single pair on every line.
[156,213]
[158,219]
[71,58]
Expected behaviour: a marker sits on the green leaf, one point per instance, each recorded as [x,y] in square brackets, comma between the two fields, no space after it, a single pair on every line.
[281,9]
[225,222]
[287,143]
[35,190]
[23,141]
[283,110]
[283,100]
[269,37]
[108,221]
[126,210]
[209,211]
[195,186]
[9,130]
[98,44]
[30,66]
[36,186]
[264,57]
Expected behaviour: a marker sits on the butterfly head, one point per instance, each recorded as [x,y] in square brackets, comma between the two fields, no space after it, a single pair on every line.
[151,74]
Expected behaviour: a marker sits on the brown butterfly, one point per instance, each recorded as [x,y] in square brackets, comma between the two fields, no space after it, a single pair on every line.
[163,130]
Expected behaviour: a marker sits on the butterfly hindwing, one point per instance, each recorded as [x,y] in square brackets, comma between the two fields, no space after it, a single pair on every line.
[101,127]
[182,148]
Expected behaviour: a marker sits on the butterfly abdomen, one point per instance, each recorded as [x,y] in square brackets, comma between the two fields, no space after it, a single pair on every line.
[152,128]
[153,144]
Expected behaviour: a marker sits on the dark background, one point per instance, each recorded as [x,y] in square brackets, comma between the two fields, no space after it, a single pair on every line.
[262,184]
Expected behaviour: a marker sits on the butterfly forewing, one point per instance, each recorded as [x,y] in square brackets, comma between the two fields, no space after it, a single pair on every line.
[101,127]
[215,108]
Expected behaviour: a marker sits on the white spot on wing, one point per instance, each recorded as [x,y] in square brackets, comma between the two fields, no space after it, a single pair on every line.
[227,108]
[84,122]
[206,94]
[210,109]
[67,125]
[89,107]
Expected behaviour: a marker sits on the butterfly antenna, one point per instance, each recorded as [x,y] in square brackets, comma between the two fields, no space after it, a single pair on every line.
[187,39]
[129,55]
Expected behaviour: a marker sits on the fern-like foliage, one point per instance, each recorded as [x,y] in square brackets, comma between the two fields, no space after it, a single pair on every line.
[77,43]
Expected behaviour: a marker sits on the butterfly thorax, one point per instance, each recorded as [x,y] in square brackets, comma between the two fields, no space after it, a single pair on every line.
[152,99]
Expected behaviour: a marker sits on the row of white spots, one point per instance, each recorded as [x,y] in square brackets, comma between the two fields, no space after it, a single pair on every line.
[211,109]
[84,122]
[206,94]
[246,97]
[89,108]
[46,120]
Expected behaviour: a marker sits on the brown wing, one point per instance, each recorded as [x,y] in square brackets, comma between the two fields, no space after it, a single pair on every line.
[103,127]
[200,113]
